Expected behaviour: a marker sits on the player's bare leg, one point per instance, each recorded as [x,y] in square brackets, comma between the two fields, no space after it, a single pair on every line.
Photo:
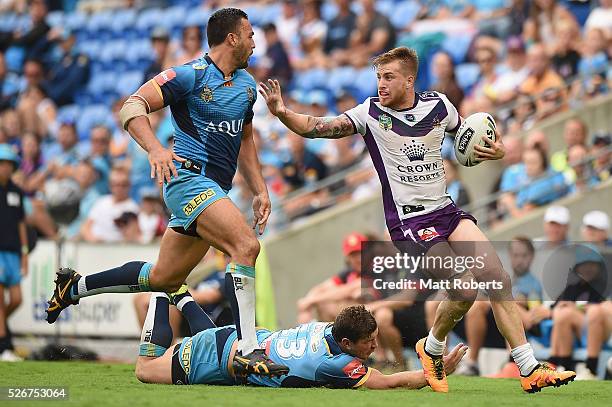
[534,375]
[178,255]
[225,228]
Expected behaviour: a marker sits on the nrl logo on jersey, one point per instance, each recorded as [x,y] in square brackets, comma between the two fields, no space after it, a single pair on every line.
[385,122]
[250,95]
[207,94]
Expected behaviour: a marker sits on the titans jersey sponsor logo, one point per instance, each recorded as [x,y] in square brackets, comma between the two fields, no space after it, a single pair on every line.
[354,369]
[230,127]
[207,94]
[186,357]
[165,76]
[198,200]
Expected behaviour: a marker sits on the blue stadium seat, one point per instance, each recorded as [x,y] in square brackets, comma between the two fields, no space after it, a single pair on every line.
[122,21]
[271,13]
[340,78]
[174,17]
[129,82]
[100,21]
[404,13]
[55,18]
[457,46]
[365,81]
[93,115]
[255,14]
[467,75]
[313,78]
[76,21]
[68,113]
[385,7]
[8,21]
[197,16]
[149,18]
[329,10]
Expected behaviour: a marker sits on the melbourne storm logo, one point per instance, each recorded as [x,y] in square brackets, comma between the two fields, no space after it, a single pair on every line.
[415,151]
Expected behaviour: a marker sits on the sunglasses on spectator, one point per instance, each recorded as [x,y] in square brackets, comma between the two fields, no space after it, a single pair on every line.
[120,184]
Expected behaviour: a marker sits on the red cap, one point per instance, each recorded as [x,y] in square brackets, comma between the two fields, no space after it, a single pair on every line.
[352,243]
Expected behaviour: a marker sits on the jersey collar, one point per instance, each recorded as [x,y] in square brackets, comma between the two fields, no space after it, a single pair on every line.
[209,60]
[416,101]
[332,345]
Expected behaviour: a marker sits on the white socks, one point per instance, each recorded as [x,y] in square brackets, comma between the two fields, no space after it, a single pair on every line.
[524,359]
[245,296]
[433,346]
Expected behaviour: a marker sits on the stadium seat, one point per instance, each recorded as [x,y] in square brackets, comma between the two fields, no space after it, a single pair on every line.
[386,7]
[329,10]
[310,79]
[149,18]
[122,20]
[76,21]
[404,13]
[271,13]
[93,115]
[365,81]
[55,18]
[197,16]
[457,46]
[68,113]
[467,75]
[174,17]
[340,78]
[129,82]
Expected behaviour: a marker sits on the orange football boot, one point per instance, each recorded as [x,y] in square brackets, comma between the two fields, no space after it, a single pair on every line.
[433,367]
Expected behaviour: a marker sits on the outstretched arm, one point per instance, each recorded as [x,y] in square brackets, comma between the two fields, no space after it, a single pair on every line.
[304,125]
[414,379]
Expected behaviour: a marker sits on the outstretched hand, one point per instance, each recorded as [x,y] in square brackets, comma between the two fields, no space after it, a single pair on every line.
[454,357]
[271,93]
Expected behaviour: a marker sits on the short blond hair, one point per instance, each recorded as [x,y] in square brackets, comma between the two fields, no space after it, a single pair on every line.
[406,56]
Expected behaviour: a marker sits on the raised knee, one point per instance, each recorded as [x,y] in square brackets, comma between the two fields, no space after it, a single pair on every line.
[249,249]
[562,315]
[166,284]
[595,313]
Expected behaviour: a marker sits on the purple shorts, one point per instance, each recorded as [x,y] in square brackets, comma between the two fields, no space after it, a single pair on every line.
[429,229]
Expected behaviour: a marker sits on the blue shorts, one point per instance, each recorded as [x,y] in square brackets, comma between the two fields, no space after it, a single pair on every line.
[10,269]
[205,356]
[188,195]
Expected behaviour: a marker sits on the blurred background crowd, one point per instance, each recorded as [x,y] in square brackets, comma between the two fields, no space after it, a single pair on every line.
[67,66]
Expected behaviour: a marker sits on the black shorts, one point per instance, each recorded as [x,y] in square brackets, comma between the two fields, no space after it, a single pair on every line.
[411,323]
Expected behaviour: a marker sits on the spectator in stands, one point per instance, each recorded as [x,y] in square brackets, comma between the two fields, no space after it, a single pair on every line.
[120,138]
[33,73]
[99,154]
[31,160]
[312,32]
[602,156]
[544,18]
[276,58]
[596,228]
[514,171]
[38,113]
[86,176]
[542,78]
[373,34]
[100,225]
[579,177]
[575,132]
[288,26]
[151,218]
[541,185]
[11,126]
[601,17]
[486,58]
[69,70]
[303,166]
[565,58]
[556,226]
[325,300]
[444,76]
[191,45]
[339,30]
[593,64]
[65,153]
[160,41]
[9,86]
[13,246]
[582,305]
[523,115]
[526,289]
[24,40]
[505,88]
[454,185]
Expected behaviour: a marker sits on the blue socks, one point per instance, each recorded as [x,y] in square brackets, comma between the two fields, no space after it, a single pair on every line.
[132,277]
[196,317]
[156,335]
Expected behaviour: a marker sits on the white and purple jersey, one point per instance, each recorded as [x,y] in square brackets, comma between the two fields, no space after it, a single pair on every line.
[405,146]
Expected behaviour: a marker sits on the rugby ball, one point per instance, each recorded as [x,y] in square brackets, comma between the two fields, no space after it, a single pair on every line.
[470,134]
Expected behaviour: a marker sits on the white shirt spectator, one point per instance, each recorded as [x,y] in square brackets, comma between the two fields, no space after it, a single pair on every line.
[600,18]
[103,215]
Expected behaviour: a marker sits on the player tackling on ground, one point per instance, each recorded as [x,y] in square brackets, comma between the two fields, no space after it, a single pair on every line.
[211,100]
[403,131]
[319,354]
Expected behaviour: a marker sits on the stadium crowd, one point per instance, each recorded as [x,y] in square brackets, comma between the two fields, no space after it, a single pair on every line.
[66,68]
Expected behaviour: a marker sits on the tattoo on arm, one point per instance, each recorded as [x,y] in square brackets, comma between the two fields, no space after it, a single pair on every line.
[331,127]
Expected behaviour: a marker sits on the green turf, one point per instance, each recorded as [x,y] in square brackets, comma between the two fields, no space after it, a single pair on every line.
[93,384]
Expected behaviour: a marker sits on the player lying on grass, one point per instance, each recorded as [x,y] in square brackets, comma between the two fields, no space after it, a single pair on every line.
[318,354]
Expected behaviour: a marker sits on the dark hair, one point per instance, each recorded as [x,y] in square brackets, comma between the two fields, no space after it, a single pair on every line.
[269,27]
[525,241]
[537,147]
[354,323]
[223,22]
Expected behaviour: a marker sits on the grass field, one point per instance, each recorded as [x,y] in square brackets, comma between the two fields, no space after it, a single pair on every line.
[93,384]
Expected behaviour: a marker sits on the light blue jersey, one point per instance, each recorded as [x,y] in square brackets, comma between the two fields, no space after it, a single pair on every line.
[209,113]
[313,356]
